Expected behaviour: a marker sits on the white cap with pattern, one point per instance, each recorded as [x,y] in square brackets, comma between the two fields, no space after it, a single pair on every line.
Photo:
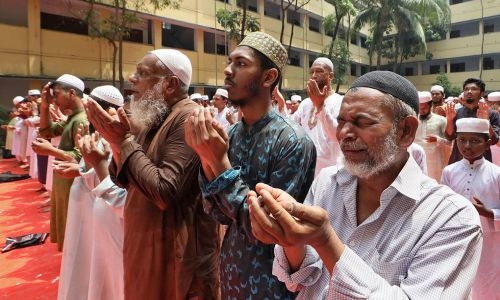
[71,80]
[437,88]
[424,97]
[473,125]
[17,100]
[34,93]
[177,62]
[221,92]
[297,98]
[494,96]
[109,94]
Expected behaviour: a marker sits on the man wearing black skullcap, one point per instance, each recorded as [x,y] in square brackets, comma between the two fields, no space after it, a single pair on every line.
[377,228]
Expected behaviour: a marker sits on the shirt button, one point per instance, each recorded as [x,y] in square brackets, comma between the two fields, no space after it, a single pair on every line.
[467,189]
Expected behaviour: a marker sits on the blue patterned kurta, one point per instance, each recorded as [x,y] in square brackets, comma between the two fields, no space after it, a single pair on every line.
[275,151]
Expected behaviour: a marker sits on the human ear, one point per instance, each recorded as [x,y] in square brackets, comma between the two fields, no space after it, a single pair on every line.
[407,129]
[170,84]
[270,77]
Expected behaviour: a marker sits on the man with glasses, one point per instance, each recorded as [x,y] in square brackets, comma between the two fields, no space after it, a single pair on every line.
[67,93]
[170,248]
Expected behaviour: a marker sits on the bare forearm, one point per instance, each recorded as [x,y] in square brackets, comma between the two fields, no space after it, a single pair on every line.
[295,256]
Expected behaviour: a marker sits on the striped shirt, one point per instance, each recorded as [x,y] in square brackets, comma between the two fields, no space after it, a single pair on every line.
[423,242]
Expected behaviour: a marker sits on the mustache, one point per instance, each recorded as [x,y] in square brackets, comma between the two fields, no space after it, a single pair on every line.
[228,80]
[352,145]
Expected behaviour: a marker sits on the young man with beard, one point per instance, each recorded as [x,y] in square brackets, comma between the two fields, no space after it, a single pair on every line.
[263,147]
[438,105]
[473,90]
[170,248]
[318,113]
[67,92]
[377,228]
[430,135]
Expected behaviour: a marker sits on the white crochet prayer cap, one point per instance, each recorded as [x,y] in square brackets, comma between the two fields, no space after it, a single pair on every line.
[324,60]
[72,81]
[204,97]
[296,98]
[473,125]
[437,88]
[177,62]
[494,96]
[424,97]
[221,92]
[288,102]
[449,99]
[195,96]
[33,93]
[109,94]
[17,100]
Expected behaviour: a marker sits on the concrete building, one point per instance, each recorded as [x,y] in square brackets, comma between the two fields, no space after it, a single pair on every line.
[43,39]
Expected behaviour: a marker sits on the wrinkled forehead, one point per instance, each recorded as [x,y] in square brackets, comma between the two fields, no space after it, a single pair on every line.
[149,62]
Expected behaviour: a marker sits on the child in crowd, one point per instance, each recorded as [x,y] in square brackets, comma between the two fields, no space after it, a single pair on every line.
[479,181]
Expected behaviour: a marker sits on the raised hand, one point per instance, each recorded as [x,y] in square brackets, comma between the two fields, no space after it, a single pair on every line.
[482,111]
[113,129]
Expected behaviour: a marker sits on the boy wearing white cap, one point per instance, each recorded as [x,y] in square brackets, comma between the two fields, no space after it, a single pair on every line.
[438,105]
[92,261]
[478,180]
[430,135]
[20,132]
[67,92]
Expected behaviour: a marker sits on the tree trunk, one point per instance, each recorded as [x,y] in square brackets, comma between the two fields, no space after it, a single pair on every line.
[243,20]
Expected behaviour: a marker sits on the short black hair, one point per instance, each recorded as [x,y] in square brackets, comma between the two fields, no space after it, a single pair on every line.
[477,81]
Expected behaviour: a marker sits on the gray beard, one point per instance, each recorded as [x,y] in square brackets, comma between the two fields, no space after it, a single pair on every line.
[380,159]
[151,109]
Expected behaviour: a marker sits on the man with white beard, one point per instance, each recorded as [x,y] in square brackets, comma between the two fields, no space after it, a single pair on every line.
[170,248]
[377,228]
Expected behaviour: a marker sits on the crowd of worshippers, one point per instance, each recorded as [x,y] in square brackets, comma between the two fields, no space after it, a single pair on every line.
[382,193]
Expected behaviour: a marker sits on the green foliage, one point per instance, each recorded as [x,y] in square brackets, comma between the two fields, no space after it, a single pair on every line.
[341,59]
[231,21]
[449,90]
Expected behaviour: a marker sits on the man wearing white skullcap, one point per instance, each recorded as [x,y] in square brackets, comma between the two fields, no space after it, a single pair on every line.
[379,200]
[430,135]
[263,147]
[318,113]
[438,105]
[294,103]
[220,99]
[95,203]
[20,131]
[478,180]
[67,92]
[169,242]
[473,90]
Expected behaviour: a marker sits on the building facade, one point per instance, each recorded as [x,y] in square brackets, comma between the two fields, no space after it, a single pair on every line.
[45,38]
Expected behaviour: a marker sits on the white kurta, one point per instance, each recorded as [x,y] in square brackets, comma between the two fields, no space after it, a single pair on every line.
[327,145]
[481,180]
[19,140]
[436,153]
[419,155]
[106,265]
[221,117]
[75,264]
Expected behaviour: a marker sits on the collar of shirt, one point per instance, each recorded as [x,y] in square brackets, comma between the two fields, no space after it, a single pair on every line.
[257,126]
[476,163]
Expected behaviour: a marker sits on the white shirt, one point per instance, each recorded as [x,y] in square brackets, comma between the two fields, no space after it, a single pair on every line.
[221,117]
[321,133]
[482,180]
[423,242]
[418,154]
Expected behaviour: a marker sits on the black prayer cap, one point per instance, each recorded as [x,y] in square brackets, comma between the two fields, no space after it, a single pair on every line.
[390,83]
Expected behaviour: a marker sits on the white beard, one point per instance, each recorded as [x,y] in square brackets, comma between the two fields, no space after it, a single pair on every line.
[151,109]
[379,159]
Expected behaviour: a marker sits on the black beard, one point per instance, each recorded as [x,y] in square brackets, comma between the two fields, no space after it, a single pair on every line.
[423,117]
[469,100]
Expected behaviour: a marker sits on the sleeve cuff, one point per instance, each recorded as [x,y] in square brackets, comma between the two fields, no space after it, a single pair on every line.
[103,186]
[308,273]
[222,181]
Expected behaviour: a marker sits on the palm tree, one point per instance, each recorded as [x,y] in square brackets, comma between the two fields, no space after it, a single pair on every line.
[403,17]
